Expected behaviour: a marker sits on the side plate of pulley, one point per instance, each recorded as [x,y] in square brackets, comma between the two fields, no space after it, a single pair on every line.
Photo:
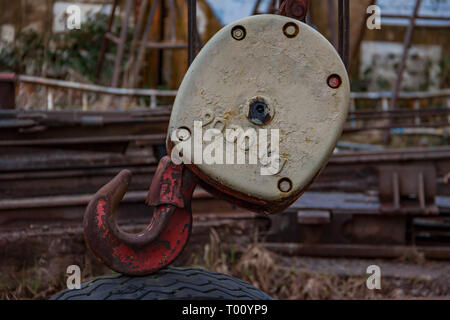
[272,76]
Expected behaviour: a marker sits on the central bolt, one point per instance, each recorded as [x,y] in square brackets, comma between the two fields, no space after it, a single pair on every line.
[259,112]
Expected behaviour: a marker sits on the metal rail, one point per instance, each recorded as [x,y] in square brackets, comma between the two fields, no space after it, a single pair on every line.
[401,95]
[96,88]
[152,93]
[388,112]
[385,113]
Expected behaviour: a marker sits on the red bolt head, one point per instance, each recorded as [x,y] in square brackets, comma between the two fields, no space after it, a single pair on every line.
[297,9]
[334,81]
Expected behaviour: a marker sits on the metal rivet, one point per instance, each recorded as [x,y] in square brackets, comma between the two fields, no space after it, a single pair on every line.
[285,185]
[183,133]
[334,81]
[291,29]
[238,33]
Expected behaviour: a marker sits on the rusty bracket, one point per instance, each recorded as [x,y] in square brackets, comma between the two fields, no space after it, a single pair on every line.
[296,9]
[408,189]
[162,240]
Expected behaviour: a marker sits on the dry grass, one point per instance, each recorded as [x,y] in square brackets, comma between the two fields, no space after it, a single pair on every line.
[269,272]
[264,269]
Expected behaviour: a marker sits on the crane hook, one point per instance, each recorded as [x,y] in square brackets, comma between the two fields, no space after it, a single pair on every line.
[162,240]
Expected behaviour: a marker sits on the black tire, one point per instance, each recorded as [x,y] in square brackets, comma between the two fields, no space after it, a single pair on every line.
[168,284]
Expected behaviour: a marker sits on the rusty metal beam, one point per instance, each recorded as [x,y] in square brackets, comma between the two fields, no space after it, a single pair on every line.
[357,251]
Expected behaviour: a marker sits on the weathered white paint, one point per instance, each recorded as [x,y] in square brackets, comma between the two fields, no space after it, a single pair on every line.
[291,73]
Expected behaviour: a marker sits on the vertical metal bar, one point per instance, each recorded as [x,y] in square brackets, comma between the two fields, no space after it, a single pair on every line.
[70,98]
[332,21]
[384,104]
[140,21]
[104,46]
[84,102]
[173,31]
[448,107]
[49,99]
[273,6]
[121,47]
[142,46]
[362,32]
[416,105]
[134,43]
[421,190]
[162,37]
[341,28]
[192,27]
[344,30]
[308,18]
[396,190]
[406,46]
[256,7]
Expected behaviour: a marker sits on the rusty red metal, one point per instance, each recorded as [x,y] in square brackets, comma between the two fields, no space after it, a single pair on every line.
[162,240]
[296,9]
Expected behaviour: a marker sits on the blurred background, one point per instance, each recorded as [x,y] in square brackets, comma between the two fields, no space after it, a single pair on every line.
[77,105]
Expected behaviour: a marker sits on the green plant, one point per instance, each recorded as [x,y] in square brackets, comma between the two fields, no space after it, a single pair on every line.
[55,55]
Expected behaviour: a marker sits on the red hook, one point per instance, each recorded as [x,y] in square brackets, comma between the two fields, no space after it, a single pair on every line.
[163,239]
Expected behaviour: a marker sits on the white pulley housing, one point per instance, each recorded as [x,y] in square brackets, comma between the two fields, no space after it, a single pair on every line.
[265,75]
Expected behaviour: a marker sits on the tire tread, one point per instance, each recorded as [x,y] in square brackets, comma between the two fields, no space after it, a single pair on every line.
[170,283]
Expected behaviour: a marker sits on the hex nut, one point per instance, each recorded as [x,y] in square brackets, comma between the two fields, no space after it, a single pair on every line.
[285,185]
[238,33]
[291,30]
